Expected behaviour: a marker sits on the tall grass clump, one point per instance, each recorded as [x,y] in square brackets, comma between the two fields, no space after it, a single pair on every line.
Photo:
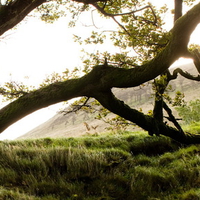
[109,166]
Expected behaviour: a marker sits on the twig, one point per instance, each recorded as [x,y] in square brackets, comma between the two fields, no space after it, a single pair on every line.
[101,9]
[77,107]
[171,117]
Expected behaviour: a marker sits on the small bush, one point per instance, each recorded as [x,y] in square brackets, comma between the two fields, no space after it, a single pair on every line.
[190,112]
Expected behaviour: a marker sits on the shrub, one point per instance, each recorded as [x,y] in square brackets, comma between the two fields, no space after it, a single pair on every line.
[190,112]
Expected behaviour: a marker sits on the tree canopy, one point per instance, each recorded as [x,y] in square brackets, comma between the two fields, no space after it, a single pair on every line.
[147,52]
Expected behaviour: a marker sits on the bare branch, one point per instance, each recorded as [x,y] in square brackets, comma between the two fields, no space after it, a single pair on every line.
[119,24]
[171,117]
[101,9]
[184,74]
[93,19]
[77,107]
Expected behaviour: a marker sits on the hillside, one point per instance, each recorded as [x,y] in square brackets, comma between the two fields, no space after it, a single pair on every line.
[125,166]
[73,124]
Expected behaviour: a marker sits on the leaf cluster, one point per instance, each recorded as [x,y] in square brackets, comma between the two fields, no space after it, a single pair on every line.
[190,111]
[13,90]
[139,28]
[50,12]
[189,2]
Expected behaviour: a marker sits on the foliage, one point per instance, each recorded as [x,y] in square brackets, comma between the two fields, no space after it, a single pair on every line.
[13,90]
[179,99]
[190,112]
[138,33]
[189,2]
[193,47]
[52,11]
[193,127]
[56,77]
[119,164]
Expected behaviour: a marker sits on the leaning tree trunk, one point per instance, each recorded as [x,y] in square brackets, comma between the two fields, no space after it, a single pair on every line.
[109,101]
[96,84]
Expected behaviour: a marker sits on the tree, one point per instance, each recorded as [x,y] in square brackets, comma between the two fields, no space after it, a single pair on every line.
[140,29]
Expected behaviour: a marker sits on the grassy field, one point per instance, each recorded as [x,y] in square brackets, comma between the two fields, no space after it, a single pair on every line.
[121,166]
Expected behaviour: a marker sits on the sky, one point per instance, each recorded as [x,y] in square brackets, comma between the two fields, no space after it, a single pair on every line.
[34,50]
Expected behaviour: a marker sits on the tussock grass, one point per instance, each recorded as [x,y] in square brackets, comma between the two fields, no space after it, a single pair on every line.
[109,166]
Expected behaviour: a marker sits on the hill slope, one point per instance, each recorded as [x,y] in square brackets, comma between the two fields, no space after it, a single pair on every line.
[73,124]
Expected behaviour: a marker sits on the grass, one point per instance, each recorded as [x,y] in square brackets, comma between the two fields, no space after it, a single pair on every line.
[193,127]
[111,166]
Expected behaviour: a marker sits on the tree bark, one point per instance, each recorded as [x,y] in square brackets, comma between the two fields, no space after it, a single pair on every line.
[178,4]
[15,12]
[109,101]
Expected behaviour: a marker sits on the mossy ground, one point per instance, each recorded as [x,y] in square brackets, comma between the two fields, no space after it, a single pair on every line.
[122,166]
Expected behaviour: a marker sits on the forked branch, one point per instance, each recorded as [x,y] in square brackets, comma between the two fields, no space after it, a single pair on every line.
[109,101]
[185,74]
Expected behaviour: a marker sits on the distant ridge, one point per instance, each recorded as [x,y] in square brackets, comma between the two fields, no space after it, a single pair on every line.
[74,124]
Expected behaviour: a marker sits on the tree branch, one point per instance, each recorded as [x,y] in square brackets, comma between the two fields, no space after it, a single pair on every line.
[195,55]
[15,12]
[76,107]
[109,101]
[101,9]
[184,74]
[171,117]
[178,4]
[121,14]
[89,1]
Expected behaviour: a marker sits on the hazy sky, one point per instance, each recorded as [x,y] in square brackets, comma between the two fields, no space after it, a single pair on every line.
[34,50]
